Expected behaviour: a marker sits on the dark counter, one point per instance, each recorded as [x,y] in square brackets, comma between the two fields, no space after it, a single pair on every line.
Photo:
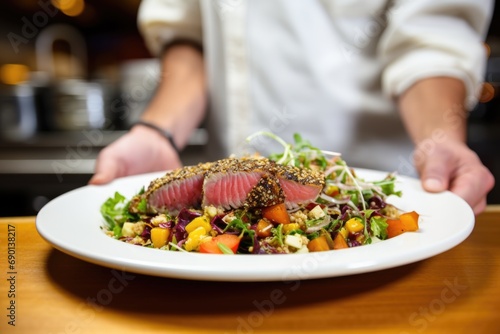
[37,170]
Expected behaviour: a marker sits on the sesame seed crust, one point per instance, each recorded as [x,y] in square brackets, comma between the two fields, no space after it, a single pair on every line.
[234,165]
[300,175]
[178,174]
[267,192]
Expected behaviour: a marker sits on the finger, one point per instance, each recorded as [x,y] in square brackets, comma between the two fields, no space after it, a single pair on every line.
[480,207]
[473,187]
[107,169]
[98,179]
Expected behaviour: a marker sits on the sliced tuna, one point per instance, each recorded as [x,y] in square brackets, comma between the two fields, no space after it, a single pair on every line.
[300,186]
[235,183]
[178,189]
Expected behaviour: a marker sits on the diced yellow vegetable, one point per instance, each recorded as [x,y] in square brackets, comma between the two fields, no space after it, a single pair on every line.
[194,238]
[332,190]
[354,225]
[159,236]
[290,227]
[197,222]
[206,239]
[344,232]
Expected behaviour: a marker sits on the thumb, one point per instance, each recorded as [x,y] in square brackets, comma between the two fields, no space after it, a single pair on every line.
[434,184]
[107,169]
[435,172]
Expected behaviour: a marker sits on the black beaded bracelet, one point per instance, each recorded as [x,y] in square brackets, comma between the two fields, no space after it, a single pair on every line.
[166,134]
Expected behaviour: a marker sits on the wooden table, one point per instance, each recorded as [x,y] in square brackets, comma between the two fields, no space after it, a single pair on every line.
[455,292]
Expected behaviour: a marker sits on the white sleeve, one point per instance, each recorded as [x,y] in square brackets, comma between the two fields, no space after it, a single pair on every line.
[163,21]
[426,38]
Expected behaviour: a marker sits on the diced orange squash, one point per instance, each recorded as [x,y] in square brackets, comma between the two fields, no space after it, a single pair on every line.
[318,244]
[394,228]
[263,228]
[339,242]
[410,221]
[407,222]
[276,214]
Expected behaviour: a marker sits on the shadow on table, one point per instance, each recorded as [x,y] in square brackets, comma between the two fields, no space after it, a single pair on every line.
[125,291]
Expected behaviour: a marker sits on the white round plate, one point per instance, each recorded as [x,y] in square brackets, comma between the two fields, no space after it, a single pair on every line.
[72,221]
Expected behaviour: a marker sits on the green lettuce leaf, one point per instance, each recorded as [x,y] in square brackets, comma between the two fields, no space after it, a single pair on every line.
[378,226]
[112,209]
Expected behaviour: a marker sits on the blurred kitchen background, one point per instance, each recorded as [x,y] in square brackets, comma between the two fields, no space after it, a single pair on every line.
[74,74]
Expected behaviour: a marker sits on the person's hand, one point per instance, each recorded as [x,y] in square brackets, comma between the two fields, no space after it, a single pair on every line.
[141,150]
[453,166]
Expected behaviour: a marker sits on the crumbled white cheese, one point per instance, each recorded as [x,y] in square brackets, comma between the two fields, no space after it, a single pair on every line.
[132,229]
[210,211]
[157,220]
[316,213]
[294,241]
[229,217]
[302,249]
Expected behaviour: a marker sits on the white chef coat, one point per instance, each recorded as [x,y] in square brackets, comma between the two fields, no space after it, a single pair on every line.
[329,70]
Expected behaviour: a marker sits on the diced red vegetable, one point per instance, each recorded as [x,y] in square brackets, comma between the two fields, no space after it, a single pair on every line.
[229,240]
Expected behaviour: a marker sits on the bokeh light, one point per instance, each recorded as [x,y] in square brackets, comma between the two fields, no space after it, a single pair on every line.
[69,7]
[13,74]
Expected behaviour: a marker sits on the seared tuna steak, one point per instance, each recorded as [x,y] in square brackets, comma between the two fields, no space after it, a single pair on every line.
[229,184]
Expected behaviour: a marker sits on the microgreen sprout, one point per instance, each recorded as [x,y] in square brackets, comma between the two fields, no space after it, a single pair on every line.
[224,249]
[358,187]
[287,155]
[300,154]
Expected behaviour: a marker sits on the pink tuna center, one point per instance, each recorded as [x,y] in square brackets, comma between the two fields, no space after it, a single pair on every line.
[229,190]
